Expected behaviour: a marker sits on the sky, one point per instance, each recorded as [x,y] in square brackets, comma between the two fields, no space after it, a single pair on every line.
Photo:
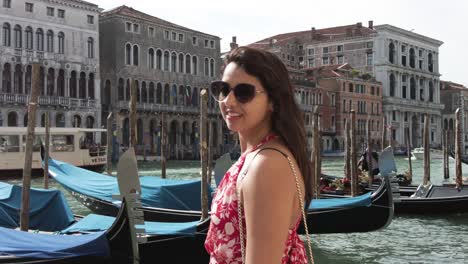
[253,20]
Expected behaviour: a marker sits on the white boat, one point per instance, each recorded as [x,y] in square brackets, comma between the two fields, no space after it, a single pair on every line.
[78,146]
[435,153]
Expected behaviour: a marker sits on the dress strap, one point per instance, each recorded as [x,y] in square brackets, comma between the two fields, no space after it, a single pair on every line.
[260,150]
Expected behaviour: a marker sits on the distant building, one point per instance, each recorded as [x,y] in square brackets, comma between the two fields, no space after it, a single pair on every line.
[453,96]
[63,37]
[406,63]
[171,64]
[346,89]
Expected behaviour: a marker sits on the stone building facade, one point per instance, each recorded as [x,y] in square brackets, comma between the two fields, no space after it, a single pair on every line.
[453,96]
[61,35]
[347,90]
[170,64]
[406,63]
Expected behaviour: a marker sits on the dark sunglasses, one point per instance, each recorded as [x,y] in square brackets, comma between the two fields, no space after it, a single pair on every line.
[243,92]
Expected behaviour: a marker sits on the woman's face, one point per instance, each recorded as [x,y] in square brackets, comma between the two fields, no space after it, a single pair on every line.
[254,115]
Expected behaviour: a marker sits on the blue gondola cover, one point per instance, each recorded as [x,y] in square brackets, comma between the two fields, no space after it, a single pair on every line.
[49,210]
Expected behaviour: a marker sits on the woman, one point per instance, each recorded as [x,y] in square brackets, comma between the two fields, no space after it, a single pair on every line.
[257,102]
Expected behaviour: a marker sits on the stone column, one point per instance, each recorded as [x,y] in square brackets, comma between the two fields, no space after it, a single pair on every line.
[67,83]
[56,73]
[23,77]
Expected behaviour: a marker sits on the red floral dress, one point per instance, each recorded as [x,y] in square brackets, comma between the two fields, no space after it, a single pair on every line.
[223,239]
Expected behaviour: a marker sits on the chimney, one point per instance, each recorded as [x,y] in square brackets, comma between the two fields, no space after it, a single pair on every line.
[371,24]
[234,44]
[313,33]
[359,24]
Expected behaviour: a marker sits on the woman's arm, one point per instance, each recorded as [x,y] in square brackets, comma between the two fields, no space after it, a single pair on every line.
[269,195]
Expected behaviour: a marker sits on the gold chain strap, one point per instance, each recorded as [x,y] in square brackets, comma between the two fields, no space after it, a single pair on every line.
[301,207]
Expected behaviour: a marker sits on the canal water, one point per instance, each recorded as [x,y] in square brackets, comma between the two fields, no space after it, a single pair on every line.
[408,239]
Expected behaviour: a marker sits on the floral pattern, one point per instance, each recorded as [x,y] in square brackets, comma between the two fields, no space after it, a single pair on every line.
[223,239]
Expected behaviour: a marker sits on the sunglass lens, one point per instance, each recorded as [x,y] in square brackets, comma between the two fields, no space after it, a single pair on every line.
[219,90]
[244,92]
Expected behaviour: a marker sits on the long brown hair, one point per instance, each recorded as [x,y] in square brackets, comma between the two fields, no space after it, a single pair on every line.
[287,119]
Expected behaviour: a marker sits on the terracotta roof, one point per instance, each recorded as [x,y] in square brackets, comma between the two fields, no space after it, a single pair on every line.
[330,71]
[325,34]
[446,85]
[133,13]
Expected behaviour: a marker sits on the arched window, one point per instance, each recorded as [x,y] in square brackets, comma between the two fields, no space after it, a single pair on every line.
[392,85]
[29,38]
[412,58]
[194,65]
[50,81]
[139,131]
[6,78]
[76,121]
[12,119]
[206,68]
[430,63]
[151,93]
[391,53]
[431,91]
[50,41]
[159,93]
[173,62]
[136,55]
[166,60]
[40,39]
[195,96]
[151,58]
[127,90]
[188,61]
[159,59]
[28,79]
[90,47]
[167,94]
[351,88]
[82,86]
[91,86]
[181,62]
[412,88]
[60,120]
[6,34]
[61,83]
[182,95]
[120,90]
[18,79]
[61,43]
[18,37]
[73,90]
[128,54]
[212,68]
[144,93]
[174,95]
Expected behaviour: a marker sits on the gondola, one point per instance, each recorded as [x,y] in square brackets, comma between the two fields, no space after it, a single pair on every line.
[323,216]
[127,240]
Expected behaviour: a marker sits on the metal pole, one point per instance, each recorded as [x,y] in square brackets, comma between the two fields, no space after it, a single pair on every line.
[384,132]
[204,152]
[316,152]
[24,213]
[46,154]
[348,150]
[446,155]
[133,110]
[210,150]
[163,145]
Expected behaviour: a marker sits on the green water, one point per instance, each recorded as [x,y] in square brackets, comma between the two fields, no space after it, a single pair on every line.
[408,239]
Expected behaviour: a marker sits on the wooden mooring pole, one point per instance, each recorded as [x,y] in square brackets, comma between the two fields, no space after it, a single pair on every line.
[384,133]
[446,154]
[408,154]
[354,180]
[316,152]
[25,193]
[458,167]
[109,137]
[210,151]
[370,166]
[204,152]
[133,114]
[46,148]
[427,151]
[348,149]
[163,145]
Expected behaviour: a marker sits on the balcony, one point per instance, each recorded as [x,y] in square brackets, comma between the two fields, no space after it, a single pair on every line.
[158,108]
[412,103]
[65,102]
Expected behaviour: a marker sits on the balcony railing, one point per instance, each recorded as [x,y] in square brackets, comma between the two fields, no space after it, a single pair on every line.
[73,103]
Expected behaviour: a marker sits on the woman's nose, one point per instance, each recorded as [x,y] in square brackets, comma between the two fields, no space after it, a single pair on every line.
[230,99]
